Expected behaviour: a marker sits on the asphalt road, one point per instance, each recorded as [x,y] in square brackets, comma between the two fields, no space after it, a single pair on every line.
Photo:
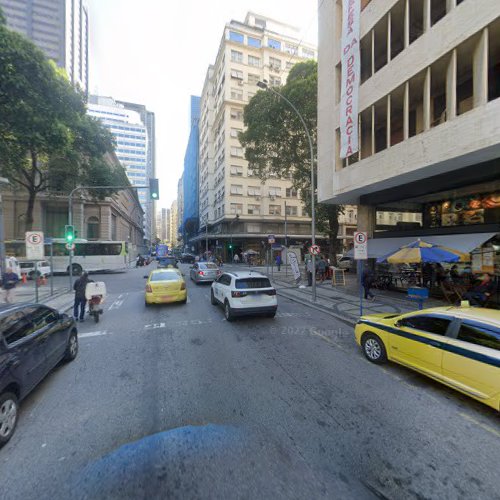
[258,408]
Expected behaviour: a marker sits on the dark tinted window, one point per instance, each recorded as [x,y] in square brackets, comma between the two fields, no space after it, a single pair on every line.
[40,317]
[15,326]
[480,335]
[429,324]
[165,276]
[252,283]
[225,279]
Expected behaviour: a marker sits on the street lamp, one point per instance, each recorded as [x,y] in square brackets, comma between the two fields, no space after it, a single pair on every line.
[263,85]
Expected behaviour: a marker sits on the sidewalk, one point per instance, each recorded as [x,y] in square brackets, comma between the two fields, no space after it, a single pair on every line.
[342,302]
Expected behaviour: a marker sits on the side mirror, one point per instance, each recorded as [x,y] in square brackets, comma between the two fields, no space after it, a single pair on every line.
[146,277]
[398,323]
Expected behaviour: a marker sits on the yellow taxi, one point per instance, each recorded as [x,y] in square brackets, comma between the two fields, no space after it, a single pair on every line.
[458,346]
[164,286]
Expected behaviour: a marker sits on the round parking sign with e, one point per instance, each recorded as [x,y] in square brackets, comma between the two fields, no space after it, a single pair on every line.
[34,239]
[360,238]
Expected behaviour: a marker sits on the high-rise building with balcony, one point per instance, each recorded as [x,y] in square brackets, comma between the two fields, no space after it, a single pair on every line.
[59,27]
[233,201]
[428,123]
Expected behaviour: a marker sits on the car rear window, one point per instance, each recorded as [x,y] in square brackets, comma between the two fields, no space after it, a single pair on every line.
[24,265]
[486,336]
[210,265]
[243,283]
[165,276]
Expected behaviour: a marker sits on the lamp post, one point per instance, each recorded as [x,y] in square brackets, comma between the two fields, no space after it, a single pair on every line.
[263,85]
[5,181]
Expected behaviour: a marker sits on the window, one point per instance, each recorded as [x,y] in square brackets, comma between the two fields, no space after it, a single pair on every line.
[224,280]
[274,81]
[236,75]
[250,95]
[274,209]
[236,208]
[253,191]
[15,326]
[245,283]
[236,114]
[235,132]
[236,56]
[254,61]
[40,317]
[236,189]
[290,64]
[274,191]
[237,94]
[274,44]
[253,79]
[253,209]
[290,210]
[234,36]
[236,170]
[93,228]
[291,49]
[165,276]
[275,63]
[254,42]
[253,228]
[238,152]
[291,193]
[486,336]
[307,53]
[429,324]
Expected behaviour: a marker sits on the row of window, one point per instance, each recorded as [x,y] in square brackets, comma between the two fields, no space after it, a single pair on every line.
[131,136]
[237,209]
[131,159]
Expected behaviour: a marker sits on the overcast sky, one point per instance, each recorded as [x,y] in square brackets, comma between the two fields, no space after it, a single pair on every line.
[156,52]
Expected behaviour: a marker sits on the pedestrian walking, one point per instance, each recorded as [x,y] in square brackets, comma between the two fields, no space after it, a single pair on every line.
[9,282]
[309,270]
[321,269]
[367,283]
[236,258]
[278,262]
[80,299]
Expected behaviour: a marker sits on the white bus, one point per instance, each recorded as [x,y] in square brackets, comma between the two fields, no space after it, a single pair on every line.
[88,255]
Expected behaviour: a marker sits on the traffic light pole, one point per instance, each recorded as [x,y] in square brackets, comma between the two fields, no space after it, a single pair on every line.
[70,216]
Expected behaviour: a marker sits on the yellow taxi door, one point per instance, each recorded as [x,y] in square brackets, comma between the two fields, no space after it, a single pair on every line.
[419,342]
[472,360]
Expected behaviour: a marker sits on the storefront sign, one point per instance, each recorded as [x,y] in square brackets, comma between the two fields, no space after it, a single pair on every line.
[350,78]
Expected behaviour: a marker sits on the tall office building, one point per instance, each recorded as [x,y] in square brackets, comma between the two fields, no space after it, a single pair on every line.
[132,145]
[236,204]
[59,27]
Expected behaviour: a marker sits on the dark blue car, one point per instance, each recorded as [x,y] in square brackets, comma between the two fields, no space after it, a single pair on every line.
[33,339]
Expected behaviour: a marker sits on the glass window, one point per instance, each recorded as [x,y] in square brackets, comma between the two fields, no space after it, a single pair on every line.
[245,283]
[208,265]
[225,280]
[165,276]
[15,326]
[254,42]
[253,79]
[275,63]
[307,53]
[486,336]
[274,44]
[236,56]
[291,210]
[234,36]
[40,317]
[93,228]
[237,75]
[429,324]
[274,210]
[254,61]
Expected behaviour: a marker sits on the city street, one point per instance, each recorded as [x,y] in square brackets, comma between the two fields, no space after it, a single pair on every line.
[284,407]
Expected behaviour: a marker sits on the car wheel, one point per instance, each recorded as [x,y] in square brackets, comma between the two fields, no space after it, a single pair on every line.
[146,303]
[270,315]
[213,300]
[9,412]
[184,301]
[77,269]
[228,313]
[72,347]
[373,348]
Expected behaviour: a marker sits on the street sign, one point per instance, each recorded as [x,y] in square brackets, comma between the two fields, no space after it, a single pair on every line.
[294,264]
[314,250]
[271,239]
[70,246]
[360,245]
[34,245]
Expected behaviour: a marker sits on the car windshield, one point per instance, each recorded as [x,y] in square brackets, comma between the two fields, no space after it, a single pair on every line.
[244,283]
[167,262]
[165,276]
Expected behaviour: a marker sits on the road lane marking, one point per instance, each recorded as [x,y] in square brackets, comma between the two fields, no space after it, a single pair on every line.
[120,296]
[92,334]
[483,426]
[329,341]
[116,305]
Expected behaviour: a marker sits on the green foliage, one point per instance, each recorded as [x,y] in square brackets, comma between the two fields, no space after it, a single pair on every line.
[47,142]
[276,143]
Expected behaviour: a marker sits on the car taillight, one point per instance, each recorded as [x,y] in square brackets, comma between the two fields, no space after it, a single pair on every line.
[201,273]
[183,286]
[149,289]
[238,294]
[219,272]
[271,292]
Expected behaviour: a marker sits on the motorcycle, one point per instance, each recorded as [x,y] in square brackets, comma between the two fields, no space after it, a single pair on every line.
[95,293]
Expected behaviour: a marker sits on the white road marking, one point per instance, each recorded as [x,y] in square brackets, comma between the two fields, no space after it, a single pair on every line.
[116,305]
[92,334]
[120,296]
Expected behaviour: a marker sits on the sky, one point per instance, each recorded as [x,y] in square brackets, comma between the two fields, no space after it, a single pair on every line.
[156,52]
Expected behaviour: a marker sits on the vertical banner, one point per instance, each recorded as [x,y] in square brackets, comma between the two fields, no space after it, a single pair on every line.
[350,78]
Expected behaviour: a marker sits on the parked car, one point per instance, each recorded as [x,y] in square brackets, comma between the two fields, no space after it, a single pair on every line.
[204,271]
[187,258]
[244,294]
[32,269]
[33,340]
[165,286]
[346,263]
[457,346]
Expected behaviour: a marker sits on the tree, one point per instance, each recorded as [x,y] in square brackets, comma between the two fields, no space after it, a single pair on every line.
[276,143]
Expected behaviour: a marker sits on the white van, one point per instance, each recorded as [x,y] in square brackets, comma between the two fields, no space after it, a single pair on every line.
[28,268]
[12,263]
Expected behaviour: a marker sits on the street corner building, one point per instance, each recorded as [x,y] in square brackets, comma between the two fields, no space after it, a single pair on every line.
[420,81]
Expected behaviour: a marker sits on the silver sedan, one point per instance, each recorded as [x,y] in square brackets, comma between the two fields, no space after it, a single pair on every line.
[204,271]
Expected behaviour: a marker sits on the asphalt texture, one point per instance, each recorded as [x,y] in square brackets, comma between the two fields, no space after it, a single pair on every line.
[175,402]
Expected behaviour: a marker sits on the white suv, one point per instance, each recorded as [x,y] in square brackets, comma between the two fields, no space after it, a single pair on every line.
[244,293]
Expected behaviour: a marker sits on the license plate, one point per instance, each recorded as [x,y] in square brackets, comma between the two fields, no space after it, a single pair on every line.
[165,297]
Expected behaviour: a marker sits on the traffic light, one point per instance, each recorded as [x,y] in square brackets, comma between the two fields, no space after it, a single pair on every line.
[69,233]
[230,246]
[154,191]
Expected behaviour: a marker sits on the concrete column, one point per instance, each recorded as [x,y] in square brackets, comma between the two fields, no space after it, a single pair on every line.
[406,111]
[407,24]
[450,4]
[373,51]
[360,139]
[367,219]
[427,15]
[427,99]
[373,130]
[480,70]
[451,87]
[388,127]
[389,36]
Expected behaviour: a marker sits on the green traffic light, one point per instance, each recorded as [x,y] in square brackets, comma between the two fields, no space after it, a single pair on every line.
[154,195]
[69,237]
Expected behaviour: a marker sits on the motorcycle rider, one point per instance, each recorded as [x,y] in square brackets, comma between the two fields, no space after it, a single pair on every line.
[80,299]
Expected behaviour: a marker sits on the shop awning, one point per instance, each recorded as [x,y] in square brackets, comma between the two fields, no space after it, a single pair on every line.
[378,247]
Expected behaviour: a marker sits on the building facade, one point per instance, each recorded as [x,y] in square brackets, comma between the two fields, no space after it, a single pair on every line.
[429,102]
[174,224]
[162,225]
[59,27]
[189,221]
[233,201]
[133,145]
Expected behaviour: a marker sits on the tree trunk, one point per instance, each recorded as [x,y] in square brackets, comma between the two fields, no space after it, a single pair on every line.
[31,193]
